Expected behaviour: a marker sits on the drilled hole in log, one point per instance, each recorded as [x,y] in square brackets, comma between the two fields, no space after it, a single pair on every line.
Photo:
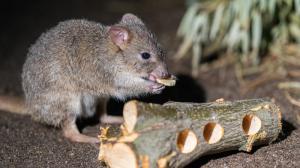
[186,141]
[120,156]
[130,115]
[251,124]
[213,132]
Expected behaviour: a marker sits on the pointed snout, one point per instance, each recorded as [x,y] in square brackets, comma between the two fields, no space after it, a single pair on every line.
[161,72]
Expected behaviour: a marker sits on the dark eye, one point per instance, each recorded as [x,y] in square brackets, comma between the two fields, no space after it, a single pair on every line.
[145,55]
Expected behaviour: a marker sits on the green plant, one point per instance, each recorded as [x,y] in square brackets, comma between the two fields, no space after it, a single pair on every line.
[245,28]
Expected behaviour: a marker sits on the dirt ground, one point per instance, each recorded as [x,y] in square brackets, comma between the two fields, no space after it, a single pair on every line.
[25,143]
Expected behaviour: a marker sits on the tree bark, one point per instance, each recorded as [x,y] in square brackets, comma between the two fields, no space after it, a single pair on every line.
[174,134]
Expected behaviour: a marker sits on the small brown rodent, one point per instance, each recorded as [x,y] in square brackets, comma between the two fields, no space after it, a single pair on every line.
[78,64]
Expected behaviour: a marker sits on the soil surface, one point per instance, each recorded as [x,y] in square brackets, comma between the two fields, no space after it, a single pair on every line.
[25,143]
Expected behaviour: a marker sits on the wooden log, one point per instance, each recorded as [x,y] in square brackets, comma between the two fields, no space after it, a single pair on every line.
[174,134]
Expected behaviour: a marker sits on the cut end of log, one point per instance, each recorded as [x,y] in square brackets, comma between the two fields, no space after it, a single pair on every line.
[119,155]
[130,114]
[213,132]
[186,141]
[251,124]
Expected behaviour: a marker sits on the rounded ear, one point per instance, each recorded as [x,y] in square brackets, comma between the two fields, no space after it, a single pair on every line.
[130,18]
[119,36]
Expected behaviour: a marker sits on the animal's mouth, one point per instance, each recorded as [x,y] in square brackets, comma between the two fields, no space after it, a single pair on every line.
[151,78]
[155,86]
[169,80]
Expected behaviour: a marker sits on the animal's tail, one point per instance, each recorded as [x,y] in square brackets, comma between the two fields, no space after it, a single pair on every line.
[12,104]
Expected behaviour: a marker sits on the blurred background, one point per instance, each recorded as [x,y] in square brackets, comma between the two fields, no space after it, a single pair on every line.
[231,49]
